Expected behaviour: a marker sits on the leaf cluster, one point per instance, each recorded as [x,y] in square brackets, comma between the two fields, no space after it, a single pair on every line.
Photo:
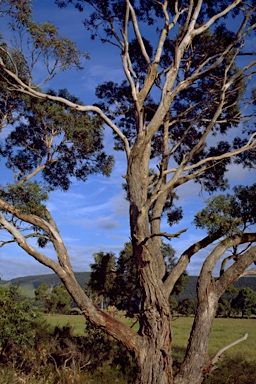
[57,141]
[46,38]
[229,214]
[245,301]
[53,300]
[36,44]
[21,9]
[28,197]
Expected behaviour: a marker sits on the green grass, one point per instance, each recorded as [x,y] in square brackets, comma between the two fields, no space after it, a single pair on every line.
[77,322]
[224,332]
[237,366]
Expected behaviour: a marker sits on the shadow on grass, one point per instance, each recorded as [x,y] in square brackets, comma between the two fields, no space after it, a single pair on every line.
[230,370]
[233,371]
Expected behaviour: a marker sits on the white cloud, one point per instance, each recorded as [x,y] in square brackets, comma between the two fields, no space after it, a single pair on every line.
[238,174]
[24,265]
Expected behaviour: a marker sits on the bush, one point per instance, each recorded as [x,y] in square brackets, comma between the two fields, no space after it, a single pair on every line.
[19,323]
[33,353]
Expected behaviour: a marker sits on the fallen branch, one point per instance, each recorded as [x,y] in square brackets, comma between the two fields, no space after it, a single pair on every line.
[222,350]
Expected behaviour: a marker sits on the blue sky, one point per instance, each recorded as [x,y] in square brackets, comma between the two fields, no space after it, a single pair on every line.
[93,216]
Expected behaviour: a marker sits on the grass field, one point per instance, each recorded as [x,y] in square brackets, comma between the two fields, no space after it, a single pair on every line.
[224,332]
[77,322]
[238,365]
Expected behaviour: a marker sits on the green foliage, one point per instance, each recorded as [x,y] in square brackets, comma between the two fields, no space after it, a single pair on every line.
[117,280]
[62,299]
[105,348]
[186,307]
[27,197]
[224,308]
[102,274]
[224,331]
[229,213]
[44,41]
[245,302]
[173,304]
[21,9]
[18,324]
[53,300]
[57,141]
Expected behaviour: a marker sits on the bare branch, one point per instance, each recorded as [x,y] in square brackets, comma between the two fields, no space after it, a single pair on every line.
[47,226]
[248,272]
[251,144]
[222,350]
[184,260]
[3,243]
[205,26]
[137,32]
[129,73]
[22,242]
[169,235]
[238,268]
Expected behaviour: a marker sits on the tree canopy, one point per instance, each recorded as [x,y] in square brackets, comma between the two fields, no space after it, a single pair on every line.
[183,112]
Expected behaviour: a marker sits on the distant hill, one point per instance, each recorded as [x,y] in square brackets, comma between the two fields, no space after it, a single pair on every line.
[28,284]
[189,291]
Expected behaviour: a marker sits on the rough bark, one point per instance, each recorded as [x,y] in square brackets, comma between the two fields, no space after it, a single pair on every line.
[197,365]
[154,359]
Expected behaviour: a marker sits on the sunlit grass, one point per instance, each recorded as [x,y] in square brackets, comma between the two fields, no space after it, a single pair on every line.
[77,322]
[224,332]
[238,364]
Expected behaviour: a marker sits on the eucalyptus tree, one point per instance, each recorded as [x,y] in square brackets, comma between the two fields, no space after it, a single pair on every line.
[102,275]
[188,68]
[116,279]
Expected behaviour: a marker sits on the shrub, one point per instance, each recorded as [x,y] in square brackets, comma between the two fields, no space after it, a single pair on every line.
[19,323]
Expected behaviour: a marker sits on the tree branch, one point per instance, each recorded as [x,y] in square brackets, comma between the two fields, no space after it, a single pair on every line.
[251,144]
[22,242]
[3,243]
[238,268]
[169,235]
[184,260]
[248,273]
[225,11]
[20,86]
[222,350]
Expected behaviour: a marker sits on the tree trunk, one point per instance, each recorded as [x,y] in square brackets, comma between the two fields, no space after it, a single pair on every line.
[154,365]
[153,360]
[197,364]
